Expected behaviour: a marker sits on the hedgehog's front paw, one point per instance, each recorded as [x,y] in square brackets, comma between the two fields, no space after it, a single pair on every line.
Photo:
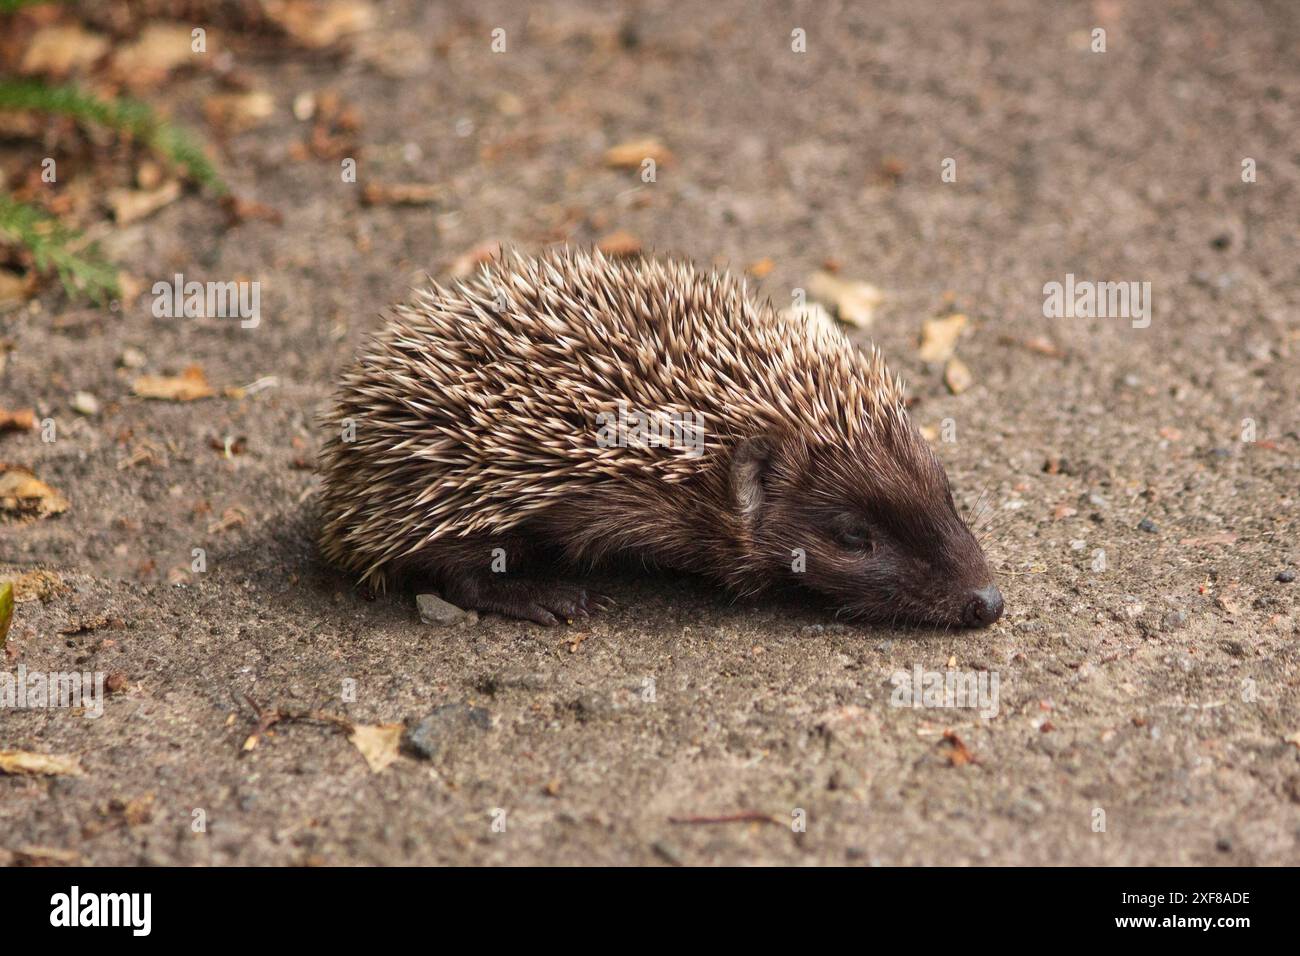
[527,600]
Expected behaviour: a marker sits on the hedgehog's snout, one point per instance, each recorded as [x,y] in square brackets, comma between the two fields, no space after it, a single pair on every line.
[983,608]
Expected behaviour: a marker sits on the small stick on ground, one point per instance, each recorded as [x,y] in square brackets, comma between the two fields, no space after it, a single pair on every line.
[266,719]
[745,816]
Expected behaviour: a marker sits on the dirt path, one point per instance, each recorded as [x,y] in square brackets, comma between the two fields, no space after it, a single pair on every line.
[1153,687]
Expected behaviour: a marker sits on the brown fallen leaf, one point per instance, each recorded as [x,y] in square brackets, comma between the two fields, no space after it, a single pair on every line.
[958,753]
[190,385]
[939,337]
[402,194]
[33,855]
[238,112]
[1039,344]
[239,210]
[619,244]
[230,518]
[59,49]
[632,154]
[853,302]
[135,812]
[467,263]
[378,743]
[957,376]
[22,493]
[318,25]
[160,48]
[48,765]
[15,288]
[22,420]
[132,205]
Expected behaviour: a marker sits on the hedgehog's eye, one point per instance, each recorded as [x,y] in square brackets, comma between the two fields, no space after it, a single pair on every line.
[855,536]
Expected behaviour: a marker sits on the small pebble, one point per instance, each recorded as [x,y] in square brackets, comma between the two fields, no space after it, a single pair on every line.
[1285,577]
[434,610]
[1147,525]
[85,403]
[1173,620]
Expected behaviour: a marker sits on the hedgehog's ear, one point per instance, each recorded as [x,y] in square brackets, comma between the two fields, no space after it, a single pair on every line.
[750,462]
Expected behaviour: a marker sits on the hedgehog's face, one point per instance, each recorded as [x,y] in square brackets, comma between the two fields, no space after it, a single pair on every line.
[875,530]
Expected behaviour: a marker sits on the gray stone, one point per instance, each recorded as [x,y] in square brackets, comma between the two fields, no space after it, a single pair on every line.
[434,610]
[445,728]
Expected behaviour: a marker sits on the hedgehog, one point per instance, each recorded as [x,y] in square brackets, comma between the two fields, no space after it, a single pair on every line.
[559,411]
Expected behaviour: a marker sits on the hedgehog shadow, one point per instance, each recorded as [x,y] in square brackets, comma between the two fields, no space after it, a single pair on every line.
[283,551]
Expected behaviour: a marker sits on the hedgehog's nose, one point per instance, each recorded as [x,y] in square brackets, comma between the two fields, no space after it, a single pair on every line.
[984,607]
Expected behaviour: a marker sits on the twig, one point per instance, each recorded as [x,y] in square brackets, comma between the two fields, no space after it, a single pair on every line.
[745,816]
[266,719]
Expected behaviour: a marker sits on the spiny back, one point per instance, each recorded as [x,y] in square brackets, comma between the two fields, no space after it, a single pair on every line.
[476,406]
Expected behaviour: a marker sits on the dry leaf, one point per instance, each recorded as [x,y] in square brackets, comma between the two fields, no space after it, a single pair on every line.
[22,420]
[130,205]
[49,765]
[467,262]
[14,287]
[958,753]
[237,112]
[632,154]
[619,243]
[939,337]
[60,49]
[6,611]
[136,812]
[33,855]
[402,194]
[1041,345]
[189,385]
[317,25]
[239,210]
[957,376]
[378,743]
[22,493]
[761,268]
[854,302]
[160,48]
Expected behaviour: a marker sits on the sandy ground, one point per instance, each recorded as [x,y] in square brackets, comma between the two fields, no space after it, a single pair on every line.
[1157,693]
